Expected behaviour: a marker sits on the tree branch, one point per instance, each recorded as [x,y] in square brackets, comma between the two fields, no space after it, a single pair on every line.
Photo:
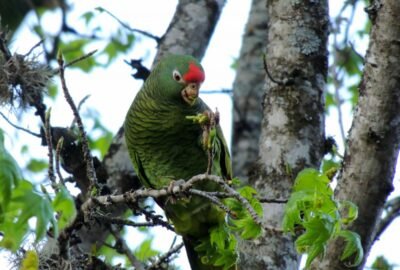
[90,170]
[125,25]
[127,222]
[366,177]
[48,136]
[123,248]
[392,211]
[166,258]
[20,128]
[180,189]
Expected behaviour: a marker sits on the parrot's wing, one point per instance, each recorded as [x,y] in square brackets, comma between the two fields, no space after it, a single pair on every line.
[140,170]
[224,156]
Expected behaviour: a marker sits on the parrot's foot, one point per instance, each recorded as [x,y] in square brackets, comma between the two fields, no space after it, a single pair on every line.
[172,189]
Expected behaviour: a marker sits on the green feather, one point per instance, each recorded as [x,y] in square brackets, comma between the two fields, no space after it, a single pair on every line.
[164,146]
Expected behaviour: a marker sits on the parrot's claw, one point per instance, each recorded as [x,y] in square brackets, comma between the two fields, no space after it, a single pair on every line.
[172,189]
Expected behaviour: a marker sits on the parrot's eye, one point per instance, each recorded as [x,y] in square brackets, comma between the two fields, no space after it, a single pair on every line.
[177,76]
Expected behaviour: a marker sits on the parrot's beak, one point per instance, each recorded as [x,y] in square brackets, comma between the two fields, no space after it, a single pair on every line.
[190,93]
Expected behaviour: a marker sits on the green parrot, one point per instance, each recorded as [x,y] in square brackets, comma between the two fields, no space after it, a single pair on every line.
[166,145]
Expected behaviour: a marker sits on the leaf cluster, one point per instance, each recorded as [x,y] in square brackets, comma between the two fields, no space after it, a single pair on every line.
[219,249]
[314,215]
[20,201]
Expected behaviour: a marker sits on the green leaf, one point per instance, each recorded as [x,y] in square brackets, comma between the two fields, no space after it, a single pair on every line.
[64,205]
[33,204]
[31,261]
[145,251]
[218,235]
[52,91]
[381,263]
[236,182]
[100,9]
[37,165]
[330,101]
[88,16]
[76,49]
[217,251]
[351,211]
[13,234]
[317,232]
[353,246]
[9,174]
[102,143]
[118,45]
[353,89]
[311,180]
[250,229]
[312,208]
[328,164]
[107,252]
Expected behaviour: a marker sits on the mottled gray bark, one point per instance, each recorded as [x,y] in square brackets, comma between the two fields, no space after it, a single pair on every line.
[191,28]
[292,132]
[374,140]
[248,92]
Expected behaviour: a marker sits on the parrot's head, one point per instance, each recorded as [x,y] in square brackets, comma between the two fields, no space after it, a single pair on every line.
[181,77]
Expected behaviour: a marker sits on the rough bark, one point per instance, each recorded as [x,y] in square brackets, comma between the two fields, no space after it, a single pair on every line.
[248,92]
[186,34]
[191,28]
[374,140]
[292,131]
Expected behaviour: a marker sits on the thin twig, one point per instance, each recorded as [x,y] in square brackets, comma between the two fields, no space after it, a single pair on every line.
[47,129]
[213,121]
[58,154]
[213,199]
[34,47]
[355,51]
[166,258]
[126,222]
[83,100]
[156,219]
[224,195]
[83,57]
[222,91]
[20,128]
[173,242]
[240,198]
[337,83]
[269,200]
[349,23]
[392,211]
[73,62]
[90,170]
[122,247]
[144,33]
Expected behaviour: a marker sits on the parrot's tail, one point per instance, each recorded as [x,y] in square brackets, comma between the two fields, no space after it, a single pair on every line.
[194,258]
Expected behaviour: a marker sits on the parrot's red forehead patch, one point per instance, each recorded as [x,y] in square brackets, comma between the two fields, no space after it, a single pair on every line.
[194,74]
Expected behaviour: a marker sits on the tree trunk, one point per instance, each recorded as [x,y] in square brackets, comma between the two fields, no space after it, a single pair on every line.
[374,139]
[248,92]
[292,131]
